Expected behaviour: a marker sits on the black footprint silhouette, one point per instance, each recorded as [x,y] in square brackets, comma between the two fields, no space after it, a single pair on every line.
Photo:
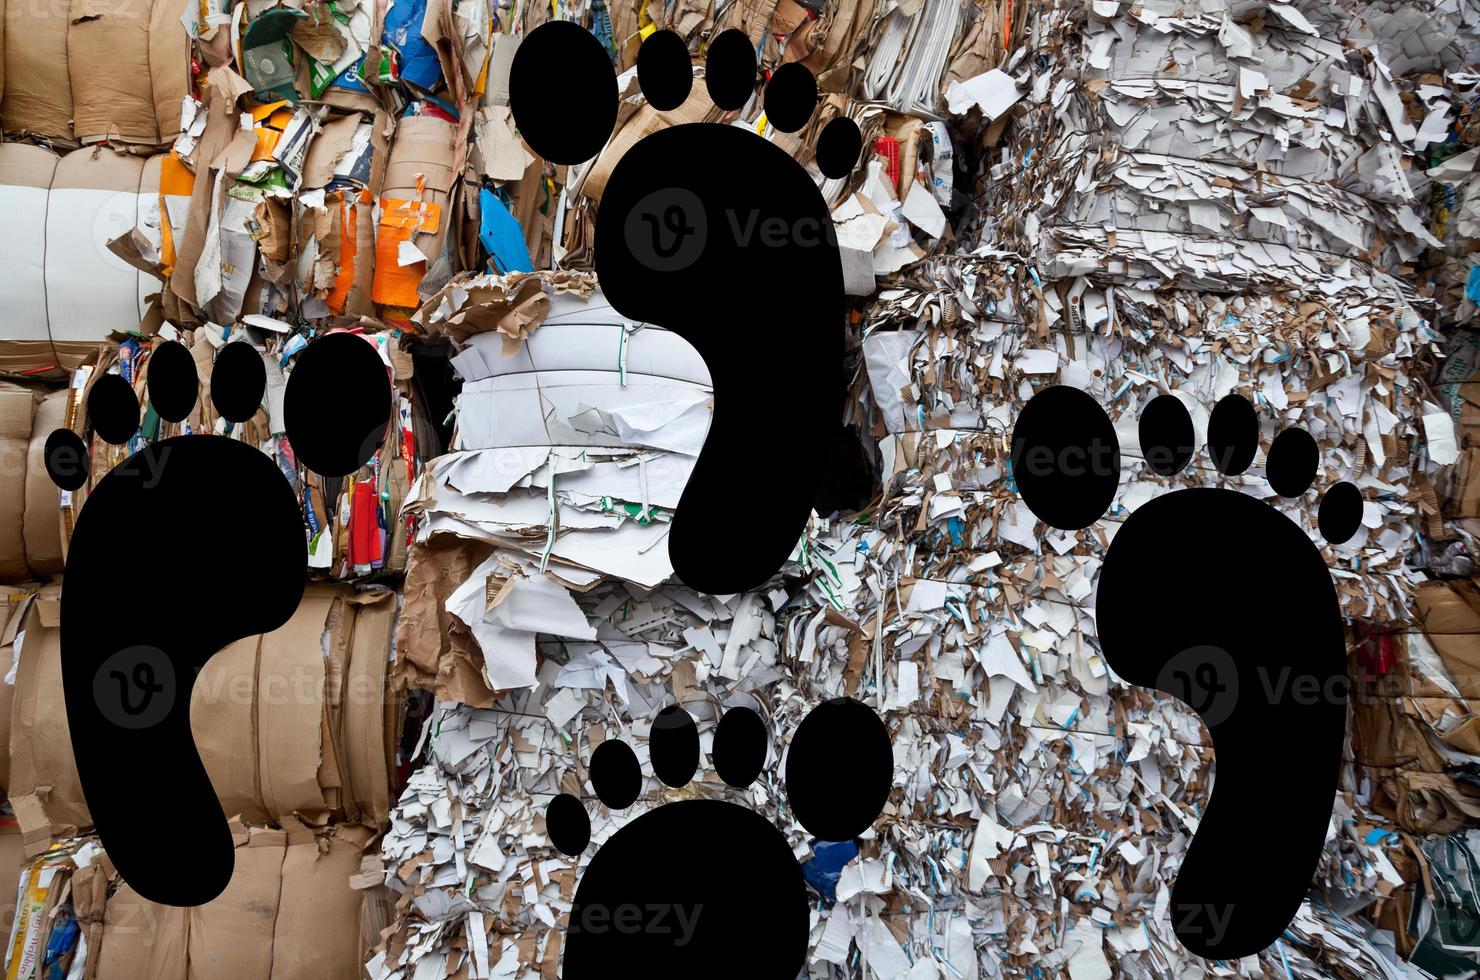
[741,901]
[723,238]
[1224,603]
[222,542]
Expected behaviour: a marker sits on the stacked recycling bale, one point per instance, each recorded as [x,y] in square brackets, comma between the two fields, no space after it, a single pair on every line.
[1218,199]
[296,732]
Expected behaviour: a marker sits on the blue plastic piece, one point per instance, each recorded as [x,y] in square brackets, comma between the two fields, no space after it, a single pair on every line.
[419,65]
[823,869]
[501,235]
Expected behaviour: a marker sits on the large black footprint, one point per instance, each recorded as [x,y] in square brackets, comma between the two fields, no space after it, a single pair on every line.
[640,910]
[1223,602]
[723,238]
[189,544]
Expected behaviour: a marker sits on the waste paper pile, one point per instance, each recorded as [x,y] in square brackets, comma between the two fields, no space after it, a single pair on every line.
[1129,197]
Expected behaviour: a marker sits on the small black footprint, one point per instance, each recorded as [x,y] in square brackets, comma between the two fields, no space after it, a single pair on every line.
[1223,602]
[189,544]
[720,236]
[696,883]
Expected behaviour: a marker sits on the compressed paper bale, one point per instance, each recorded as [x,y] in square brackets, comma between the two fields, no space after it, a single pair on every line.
[25,180]
[108,58]
[231,936]
[41,762]
[42,521]
[38,91]
[223,722]
[142,939]
[169,65]
[12,857]
[256,715]
[21,613]
[91,292]
[365,711]
[290,706]
[149,216]
[17,405]
[317,936]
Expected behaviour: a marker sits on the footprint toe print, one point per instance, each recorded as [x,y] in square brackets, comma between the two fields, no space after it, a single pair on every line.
[1223,602]
[697,882]
[721,236]
[211,522]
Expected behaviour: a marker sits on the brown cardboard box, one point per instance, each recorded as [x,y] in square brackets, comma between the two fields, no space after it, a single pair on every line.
[17,405]
[108,59]
[38,91]
[42,521]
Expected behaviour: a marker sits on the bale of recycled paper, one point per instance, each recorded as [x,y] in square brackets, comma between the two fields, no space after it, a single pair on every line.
[370,719]
[12,856]
[38,89]
[1449,613]
[17,407]
[108,60]
[62,282]
[96,196]
[18,611]
[280,728]
[44,787]
[231,936]
[317,932]
[288,913]
[169,66]
[25,180]
[41,523]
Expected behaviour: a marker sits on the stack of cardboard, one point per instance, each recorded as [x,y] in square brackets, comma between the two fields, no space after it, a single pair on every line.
[293,722]
[30,528]
[297,729]
[288,913]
